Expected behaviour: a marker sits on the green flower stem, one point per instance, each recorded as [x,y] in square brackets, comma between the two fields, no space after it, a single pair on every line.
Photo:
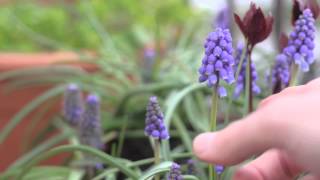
[214,109]
[157,155]
[294,75]
[122,137]
[227,115]
[248,89]
[213,124]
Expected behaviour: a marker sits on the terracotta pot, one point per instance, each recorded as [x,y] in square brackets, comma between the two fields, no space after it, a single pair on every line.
[11,102]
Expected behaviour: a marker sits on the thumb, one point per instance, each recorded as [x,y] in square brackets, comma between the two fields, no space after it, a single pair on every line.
[239,141]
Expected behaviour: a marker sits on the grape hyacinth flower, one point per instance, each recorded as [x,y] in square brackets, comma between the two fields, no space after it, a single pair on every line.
[155,127]
[301,41]
[223,19]
[218,61]
[191,168]
[90,128]
[219,169]
[149,57]
[240,84]
[175,172]
[280,73]
[298,7]
[73,105]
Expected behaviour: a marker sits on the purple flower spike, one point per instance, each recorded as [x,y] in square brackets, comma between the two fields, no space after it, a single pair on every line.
[191,168]
[219,169]
[175,172]
[73,105]
[223,19]
[90,127]
[299,51]
[301,41]
[242,75]
[218,61]
[155,127]
[281,71]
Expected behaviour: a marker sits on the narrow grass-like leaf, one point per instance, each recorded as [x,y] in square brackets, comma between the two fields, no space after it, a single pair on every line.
[75,175]
[184,135]
[27,109]
[197,120]
[40,149]
[109,160]
[36,36]
[158,169]
[173,102]
[122,137]
[51,173]
[145,89]
[189,177]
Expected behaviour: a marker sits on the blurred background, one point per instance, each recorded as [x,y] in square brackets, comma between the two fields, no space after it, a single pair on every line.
[124,50]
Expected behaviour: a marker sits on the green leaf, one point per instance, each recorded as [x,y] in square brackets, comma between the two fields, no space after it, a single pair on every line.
[189,177]
[40,149]
[75,175]
[176,99]
[158,169]
[52,173]
[145,89]
[103,157]
[197,120]
[172,103]
[27,109]
[184,135]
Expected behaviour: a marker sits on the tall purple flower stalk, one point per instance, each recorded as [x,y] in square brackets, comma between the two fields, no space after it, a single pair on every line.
[240,84]
[223,19]
[90,128]
[280,73]
[175,172]
[299,50]
[301,41]
[73,105]
[155,126]
[191,168]
[218,61]
[149,57]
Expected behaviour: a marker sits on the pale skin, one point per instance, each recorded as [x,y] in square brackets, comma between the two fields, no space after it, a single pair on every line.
[284,134]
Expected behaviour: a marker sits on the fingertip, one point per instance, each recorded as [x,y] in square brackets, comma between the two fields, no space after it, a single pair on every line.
[202,147]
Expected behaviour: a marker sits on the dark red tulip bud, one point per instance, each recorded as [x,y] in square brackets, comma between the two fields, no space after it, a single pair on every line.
[296,11]
[314,7]
[298,7]
[254,26]
[283,41]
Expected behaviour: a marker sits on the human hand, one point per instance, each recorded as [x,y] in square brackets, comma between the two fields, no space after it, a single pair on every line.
[284,131]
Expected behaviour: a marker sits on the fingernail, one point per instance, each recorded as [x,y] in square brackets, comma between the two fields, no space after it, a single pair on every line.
[202,144]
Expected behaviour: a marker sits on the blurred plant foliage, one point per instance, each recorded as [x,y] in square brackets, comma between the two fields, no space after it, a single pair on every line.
[119,33]
[31,26]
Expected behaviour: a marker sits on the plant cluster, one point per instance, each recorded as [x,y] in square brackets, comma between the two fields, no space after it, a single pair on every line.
[109,132]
